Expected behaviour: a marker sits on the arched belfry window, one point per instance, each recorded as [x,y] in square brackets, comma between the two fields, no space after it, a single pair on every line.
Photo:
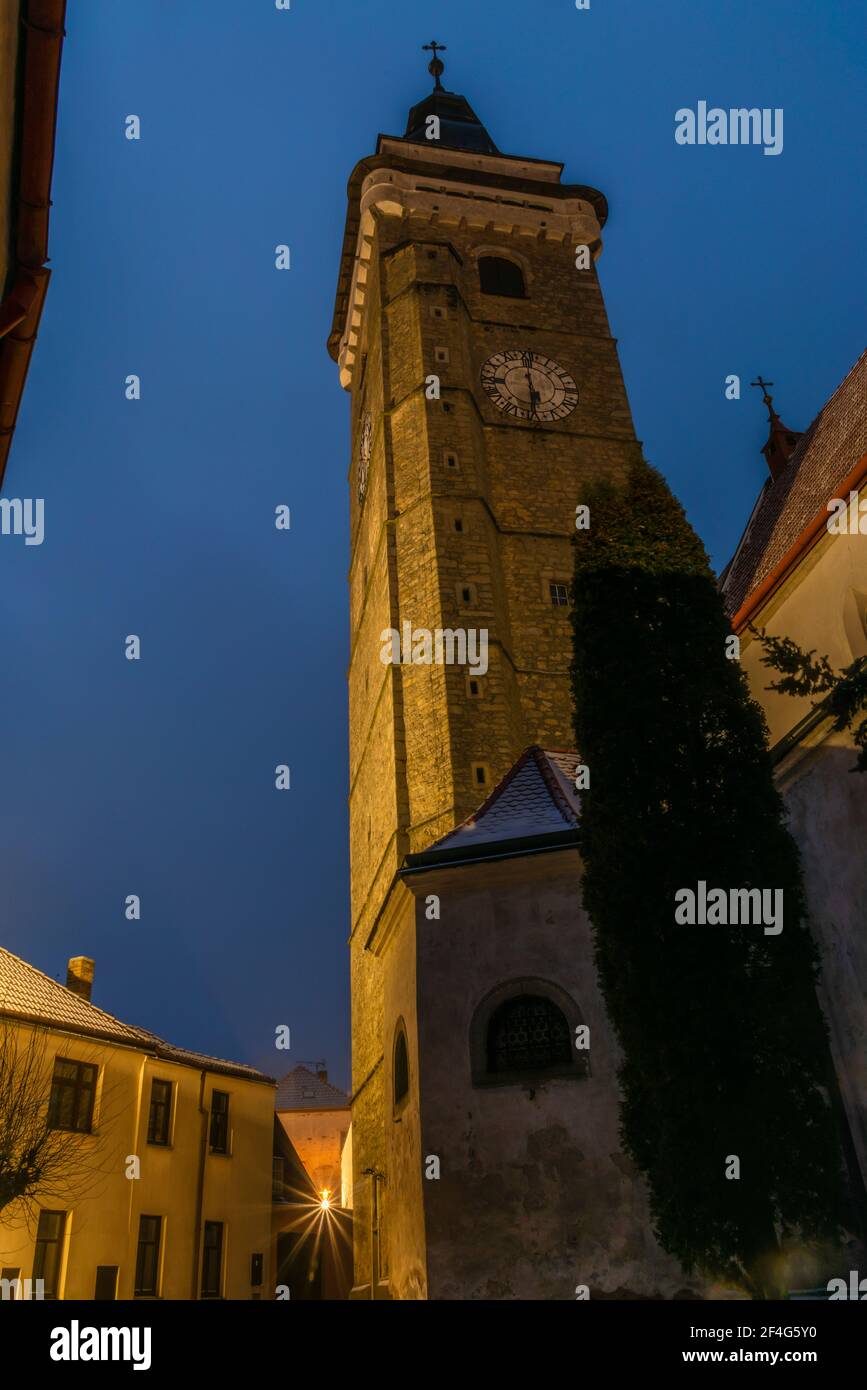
[525,1031]
[400,1070]
[499,276]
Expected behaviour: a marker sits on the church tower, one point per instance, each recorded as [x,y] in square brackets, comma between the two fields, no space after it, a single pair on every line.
[471,334]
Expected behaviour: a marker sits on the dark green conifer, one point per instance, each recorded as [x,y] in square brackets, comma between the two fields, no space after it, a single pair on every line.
[724,1046]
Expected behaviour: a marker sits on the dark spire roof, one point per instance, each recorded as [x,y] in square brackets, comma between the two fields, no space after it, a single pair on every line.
[781,440]
[460,127]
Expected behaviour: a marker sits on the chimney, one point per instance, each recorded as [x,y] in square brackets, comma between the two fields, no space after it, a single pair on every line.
[79,976]
[321,1073]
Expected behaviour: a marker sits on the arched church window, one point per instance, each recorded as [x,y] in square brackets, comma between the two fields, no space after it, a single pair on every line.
[499,276]
[528,1033]
[401,1066]
[526,1030]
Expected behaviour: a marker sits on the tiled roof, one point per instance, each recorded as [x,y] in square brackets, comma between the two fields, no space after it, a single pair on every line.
[824,456]
[301,1089]
[536,798]
[27,993]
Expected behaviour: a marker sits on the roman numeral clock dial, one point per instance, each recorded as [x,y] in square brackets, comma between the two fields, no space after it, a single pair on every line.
[528,386]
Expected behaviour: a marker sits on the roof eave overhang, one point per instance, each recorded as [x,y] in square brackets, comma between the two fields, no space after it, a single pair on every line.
[149,1048]
[21,308]
[509,848]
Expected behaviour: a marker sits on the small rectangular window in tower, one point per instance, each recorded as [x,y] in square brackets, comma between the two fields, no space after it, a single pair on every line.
[475,688]
[481,775]
[559,595]
[467,595]
[438,312]
[441,354]
[452,461]
[459,524]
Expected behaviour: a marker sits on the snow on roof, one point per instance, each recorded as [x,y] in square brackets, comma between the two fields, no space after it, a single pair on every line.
[28,994]
[536,797]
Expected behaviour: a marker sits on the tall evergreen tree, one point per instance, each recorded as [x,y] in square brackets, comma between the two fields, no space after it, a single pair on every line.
[724,1046]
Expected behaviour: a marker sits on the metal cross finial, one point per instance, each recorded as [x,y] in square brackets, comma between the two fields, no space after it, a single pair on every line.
[435,67]
[764,385]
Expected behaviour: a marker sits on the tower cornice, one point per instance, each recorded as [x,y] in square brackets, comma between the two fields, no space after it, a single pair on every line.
[469,186]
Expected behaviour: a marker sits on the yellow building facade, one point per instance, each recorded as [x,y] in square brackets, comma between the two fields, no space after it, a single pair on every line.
[164,1184]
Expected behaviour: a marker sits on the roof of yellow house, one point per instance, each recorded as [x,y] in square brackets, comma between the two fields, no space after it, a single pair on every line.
[27,994]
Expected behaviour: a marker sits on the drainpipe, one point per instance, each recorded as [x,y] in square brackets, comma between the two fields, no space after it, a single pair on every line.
[200,1190]
[376,1177]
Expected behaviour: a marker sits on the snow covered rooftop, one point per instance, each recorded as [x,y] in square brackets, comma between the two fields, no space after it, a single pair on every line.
[536,799]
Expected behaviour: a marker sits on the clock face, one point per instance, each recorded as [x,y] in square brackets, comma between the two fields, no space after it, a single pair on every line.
[364,448]
[528,386]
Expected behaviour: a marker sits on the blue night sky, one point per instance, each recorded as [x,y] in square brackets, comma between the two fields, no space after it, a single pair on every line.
[157,777]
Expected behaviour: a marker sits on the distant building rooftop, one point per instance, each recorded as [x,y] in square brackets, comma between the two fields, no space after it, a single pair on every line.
[302,1089]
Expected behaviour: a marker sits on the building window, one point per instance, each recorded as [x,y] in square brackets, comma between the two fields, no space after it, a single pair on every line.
[528,1033]
[451,460]
[147,1260]
[212,1260]
[106,1284]
[48,1255]
[160,1113]
[559,594]
[499,276]
[459,524]
[219,1122]
[467,595]
[524,1031]
[73,1091]
[401,1066]
[278,1178]
[481,774]
[475,688]
[441,354]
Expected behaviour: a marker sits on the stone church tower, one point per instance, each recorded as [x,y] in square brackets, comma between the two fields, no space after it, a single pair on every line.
[471,333]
